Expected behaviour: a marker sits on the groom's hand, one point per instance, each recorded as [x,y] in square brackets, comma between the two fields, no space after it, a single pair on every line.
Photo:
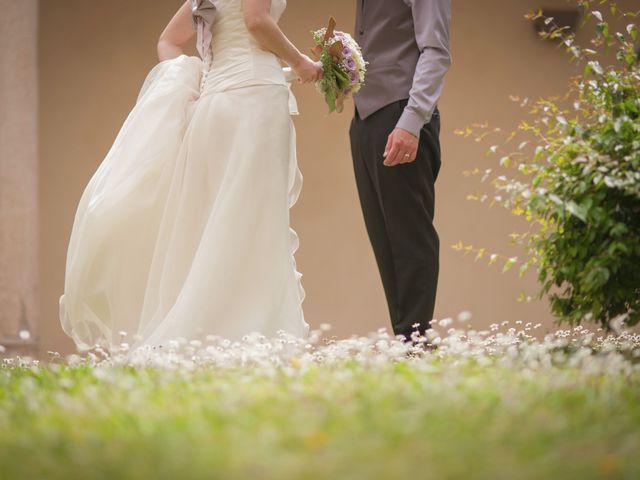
[402,147]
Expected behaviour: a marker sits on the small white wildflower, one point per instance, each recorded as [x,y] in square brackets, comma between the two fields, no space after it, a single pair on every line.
[431,334]
[445,322]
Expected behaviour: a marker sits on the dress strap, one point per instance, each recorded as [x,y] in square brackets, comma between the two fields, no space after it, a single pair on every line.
[203,13]
[293,104]
[289,77]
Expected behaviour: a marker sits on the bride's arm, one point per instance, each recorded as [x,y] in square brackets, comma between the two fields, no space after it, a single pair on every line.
[267,32]
[176,34]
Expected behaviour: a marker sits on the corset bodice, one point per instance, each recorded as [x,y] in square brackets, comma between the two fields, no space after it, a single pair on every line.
[234,58]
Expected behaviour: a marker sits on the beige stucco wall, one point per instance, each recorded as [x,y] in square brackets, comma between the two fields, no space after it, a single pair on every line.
[95,55]
[19,299]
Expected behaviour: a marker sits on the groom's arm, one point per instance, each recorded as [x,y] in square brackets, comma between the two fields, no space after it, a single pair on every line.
[431,19]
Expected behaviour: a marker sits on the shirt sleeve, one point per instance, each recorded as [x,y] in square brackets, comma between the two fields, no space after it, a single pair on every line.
[431,19]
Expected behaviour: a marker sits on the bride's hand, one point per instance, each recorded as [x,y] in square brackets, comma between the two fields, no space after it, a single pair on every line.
[307,70]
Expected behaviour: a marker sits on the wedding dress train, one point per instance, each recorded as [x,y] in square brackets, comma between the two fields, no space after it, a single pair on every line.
[183,230]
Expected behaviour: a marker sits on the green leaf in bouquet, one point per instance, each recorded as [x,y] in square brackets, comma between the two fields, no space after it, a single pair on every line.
[342,79]
[331,97]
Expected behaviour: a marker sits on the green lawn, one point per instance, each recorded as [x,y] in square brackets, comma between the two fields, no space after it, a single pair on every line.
[488,405]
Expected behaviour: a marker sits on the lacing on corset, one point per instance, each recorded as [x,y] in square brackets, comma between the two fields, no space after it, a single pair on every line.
[206,67]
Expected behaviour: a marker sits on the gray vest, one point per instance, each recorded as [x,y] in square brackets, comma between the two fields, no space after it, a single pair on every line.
[384,30]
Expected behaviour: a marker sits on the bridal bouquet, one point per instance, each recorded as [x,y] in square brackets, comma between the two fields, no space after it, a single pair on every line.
[342,62]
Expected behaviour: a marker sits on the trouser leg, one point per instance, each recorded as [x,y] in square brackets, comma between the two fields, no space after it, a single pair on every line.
[398,207]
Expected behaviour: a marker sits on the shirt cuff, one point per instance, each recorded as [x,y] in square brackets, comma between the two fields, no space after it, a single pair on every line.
[412,122]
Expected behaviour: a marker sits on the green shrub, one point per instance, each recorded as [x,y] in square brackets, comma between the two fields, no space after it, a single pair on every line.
[578,180]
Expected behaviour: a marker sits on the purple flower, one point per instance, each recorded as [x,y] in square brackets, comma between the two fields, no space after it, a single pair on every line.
[350,63]
[346,52]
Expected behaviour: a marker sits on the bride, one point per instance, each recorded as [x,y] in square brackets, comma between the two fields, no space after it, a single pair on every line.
[183,230]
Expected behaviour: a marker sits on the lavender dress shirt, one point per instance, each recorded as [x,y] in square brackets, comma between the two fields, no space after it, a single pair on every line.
[406,43]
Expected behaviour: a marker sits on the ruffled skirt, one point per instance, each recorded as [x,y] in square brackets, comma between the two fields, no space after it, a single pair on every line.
[183,231]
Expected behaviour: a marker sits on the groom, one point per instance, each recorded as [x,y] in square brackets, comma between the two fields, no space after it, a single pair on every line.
[396,149]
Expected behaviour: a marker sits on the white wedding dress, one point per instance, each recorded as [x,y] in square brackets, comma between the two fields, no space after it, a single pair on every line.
[183,231]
